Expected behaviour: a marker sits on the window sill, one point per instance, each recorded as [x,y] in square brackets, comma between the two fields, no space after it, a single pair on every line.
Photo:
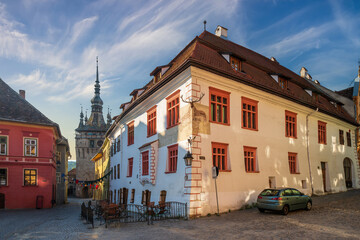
[169,172]
[294,173]
[145,175]
[168,127]
[252,172]
[151,135]
[291,137]
[129,176]
[226,124]
[224,170]
[130,144]
[252,129]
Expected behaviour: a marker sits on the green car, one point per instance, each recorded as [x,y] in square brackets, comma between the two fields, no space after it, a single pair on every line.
[283,199]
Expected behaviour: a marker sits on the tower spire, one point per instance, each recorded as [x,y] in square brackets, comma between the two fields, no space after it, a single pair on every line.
[81,123]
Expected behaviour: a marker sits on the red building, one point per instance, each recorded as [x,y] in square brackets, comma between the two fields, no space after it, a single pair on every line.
[27,153]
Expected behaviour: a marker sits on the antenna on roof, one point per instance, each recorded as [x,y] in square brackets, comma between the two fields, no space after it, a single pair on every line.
[204,25]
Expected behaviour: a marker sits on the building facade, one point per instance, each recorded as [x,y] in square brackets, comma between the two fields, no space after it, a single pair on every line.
[259,123]
[102,168]
[89,138]
[27,153]
[63,155]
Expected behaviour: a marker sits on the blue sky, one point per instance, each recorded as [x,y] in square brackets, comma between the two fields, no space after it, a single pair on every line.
[49,47]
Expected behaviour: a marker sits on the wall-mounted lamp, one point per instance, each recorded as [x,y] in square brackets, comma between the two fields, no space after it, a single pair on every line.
[188,156]
[188,159]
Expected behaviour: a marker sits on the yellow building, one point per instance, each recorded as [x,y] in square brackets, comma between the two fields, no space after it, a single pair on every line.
[102,167]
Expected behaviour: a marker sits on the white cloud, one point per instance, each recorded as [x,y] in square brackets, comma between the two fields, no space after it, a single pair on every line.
[80,28]
[305,40]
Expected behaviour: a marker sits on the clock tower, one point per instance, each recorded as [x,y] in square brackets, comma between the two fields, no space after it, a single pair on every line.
[89,138]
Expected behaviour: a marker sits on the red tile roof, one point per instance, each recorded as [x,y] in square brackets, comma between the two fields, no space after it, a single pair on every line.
[206,52]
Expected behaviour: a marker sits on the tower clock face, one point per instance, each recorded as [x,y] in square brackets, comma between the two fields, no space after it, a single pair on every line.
[99,143]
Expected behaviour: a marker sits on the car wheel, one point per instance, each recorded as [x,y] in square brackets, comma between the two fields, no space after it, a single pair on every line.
[261,210]
[285,210]
[308,206]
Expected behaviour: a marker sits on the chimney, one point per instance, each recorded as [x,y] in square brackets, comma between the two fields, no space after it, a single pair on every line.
[273,59]
[22,93]
[303,72]
[221,32]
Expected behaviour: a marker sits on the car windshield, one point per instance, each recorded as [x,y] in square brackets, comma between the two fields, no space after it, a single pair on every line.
[269,192]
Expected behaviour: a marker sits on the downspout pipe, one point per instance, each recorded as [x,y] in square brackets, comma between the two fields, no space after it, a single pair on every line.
[308,146]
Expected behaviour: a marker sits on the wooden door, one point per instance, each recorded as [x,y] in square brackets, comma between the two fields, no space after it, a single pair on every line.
[2,200]
[323,170]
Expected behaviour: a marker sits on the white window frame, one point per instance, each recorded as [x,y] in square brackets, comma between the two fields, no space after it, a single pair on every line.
[7,177]
[4,146]
[31,145]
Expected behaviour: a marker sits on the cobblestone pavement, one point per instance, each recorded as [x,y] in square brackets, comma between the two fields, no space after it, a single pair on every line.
[334,216]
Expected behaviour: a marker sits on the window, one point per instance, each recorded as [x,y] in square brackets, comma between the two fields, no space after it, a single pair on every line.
[145,163]
[146,196]
[283,83]
[292,157]
[250,159]
[124,197]
[131,133]
[114,146]
[92,143]
[3,177]
[348,139]
[111,150]
[115,172]
[118,171]
[172,159]
[219,106]
[341,137]
[290,124]
[219,156]
[173,107]
[112,174]
[249,113]
[235,63]
[30,147]
[132,200]
[58,177]
[130,167]
[118,145]
[3,145]
[30,177]
[321,132]
[151,121]
[115,196]
[163,196]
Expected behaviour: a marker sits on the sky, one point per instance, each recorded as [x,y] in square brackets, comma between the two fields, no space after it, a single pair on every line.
[49,47]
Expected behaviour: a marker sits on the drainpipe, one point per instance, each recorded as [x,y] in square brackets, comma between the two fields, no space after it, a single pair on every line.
[307,143]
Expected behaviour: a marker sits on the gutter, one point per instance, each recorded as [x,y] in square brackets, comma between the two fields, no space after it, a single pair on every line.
[307,148]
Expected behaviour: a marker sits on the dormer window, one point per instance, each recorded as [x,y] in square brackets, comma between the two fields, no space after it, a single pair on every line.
[235,64]
[283,83]
[316,97]
[157,77]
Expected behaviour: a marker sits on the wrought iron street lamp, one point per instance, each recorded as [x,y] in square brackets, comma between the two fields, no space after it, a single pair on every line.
[188,159]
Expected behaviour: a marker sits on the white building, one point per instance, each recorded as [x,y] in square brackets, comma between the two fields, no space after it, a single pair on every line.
[260,123]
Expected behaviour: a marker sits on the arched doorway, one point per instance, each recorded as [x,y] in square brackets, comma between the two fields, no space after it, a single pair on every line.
[348,172]
[85,192]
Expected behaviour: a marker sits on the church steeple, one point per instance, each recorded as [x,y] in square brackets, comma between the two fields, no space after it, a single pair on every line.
[96,118]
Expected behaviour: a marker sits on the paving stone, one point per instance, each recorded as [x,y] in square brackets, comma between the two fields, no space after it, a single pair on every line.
[334,216]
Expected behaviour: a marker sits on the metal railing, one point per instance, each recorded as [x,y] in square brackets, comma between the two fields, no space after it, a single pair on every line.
[128,213]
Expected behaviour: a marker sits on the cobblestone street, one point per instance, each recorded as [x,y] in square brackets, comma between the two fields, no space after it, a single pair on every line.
[334,216]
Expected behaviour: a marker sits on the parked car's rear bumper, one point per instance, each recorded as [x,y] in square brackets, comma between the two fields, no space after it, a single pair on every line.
[274,207]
